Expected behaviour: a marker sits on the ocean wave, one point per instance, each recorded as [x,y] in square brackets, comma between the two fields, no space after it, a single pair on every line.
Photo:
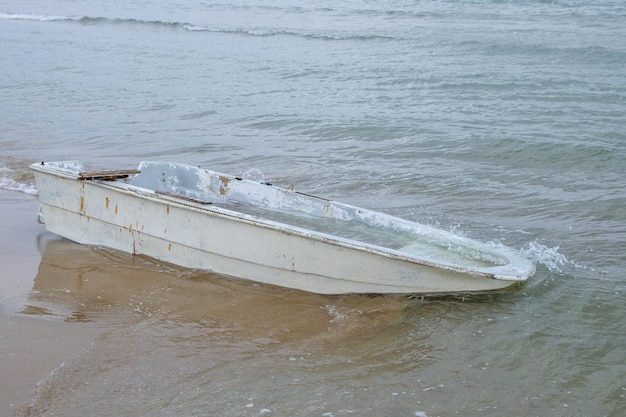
[262,32]
[88,19]
[550,257]
[284,32]
[14,178]
[37,17]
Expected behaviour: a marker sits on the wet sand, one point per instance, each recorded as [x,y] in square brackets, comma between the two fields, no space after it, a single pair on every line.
[32,345]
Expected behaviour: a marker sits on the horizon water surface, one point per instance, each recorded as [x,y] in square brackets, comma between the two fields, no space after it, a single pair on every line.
[502,121]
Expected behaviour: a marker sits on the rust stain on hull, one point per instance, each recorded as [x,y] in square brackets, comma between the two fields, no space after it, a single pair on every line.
[224,186]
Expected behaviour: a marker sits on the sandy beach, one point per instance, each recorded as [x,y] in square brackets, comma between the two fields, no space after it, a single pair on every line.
[33,342]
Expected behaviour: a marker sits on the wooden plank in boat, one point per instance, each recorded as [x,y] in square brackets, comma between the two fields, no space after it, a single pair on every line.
[108,175]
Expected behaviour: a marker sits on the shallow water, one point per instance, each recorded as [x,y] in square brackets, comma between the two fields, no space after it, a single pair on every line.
[500,121]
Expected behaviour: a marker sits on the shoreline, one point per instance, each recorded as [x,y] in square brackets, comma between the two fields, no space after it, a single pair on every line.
[32,346]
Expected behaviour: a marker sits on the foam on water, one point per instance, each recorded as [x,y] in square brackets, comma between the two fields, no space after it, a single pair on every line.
[253,174]
[14,180]
[260,32]
[333,311]
[550,257]
[37,17]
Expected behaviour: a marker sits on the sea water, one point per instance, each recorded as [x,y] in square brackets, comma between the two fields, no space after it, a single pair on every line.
[502,121]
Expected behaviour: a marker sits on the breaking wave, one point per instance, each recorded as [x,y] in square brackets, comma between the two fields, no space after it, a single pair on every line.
[549,257]
[17,179]
[38,17]
[330,35]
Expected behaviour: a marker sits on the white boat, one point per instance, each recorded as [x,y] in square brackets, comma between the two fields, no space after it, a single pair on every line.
[198,218]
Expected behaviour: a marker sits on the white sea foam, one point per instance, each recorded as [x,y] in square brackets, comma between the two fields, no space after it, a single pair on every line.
[38,17]
[332,310]
[8,182]
[546,256]
[253,174]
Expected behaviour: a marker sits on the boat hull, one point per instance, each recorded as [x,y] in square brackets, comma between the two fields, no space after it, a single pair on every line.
[140,221]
